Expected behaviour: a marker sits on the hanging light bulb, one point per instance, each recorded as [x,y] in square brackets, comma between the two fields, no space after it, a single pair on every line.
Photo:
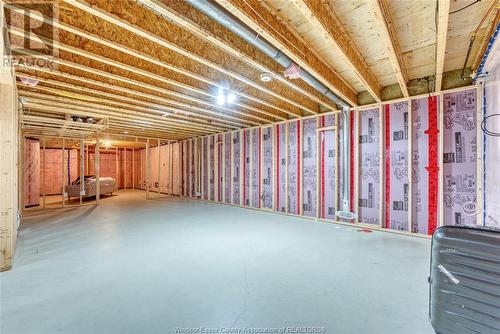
[231,98]
[221,98]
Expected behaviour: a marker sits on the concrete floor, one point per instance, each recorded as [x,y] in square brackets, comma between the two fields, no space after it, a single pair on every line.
[137,266]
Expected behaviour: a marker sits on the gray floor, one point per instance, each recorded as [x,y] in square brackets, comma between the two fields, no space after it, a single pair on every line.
[137,266]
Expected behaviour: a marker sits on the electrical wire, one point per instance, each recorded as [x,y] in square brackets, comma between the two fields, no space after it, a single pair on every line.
[458,10]
[485,130]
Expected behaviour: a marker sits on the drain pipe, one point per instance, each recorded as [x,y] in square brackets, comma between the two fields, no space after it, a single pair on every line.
[228,21]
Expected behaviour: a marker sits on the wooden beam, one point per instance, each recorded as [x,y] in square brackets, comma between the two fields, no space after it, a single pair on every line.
[148,170]
[147,58]
[159,170]
[442,31]
[125,67]
[157,109]
[63,192]
[390,38]
[82,170]
[322,14]
[97,168]
[231,49]
[266,23]
[93,10]
[101,111]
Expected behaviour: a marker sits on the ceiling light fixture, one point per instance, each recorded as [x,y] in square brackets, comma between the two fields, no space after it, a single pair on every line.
[266,77]
[221,98]
[231,98]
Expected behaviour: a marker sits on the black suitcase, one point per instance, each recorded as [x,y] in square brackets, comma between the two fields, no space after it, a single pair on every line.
[464,282]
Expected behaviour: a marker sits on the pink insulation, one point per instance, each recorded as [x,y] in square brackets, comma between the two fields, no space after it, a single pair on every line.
[31,172]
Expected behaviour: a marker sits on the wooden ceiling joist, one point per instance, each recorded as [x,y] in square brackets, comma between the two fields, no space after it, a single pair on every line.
[150,108]
[188,108]
[83,5]
[125,67]
[264,22]
[441,33]
[134,53]
[79,108]
[230,48]
[321,13]
[391,42]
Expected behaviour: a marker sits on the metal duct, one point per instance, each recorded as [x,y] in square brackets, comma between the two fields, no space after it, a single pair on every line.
[346,128]
[227,20]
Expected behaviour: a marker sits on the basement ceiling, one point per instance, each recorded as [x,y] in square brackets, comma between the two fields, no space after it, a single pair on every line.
[156,69]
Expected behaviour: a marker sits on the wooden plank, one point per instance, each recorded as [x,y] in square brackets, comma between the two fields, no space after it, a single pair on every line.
[159,166]
[63,193]
[442,31]
[97,163]
[44,168]
[232,49]
[265,23]
[82,170]
[94,10]
[148,170]
[391,42]
[321,14]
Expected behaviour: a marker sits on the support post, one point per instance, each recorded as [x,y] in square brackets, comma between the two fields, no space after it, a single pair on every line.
[44,190]
[62,174]
[97,163]
[159,156]
[148,169]
[116,168]
[82,170]
[124,168]
[133,168]
[20,170]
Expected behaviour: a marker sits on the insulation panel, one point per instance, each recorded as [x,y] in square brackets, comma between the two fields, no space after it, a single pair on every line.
[309,167]
[32,173]
[255,167]
[425,166]
[327,168]
[281,168]
[369,167]
[267,168]
[460,158]
[246,167]
[211,168]
[236,177]
[396,172]
[294,167]
[227,167]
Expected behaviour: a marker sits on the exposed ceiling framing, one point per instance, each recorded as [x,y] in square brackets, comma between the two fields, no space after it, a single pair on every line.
[156,68]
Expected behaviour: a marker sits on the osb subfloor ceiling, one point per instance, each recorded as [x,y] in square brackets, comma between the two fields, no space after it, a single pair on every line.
[156,69]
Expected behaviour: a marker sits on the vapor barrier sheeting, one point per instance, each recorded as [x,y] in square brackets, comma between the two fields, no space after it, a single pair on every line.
[267,167]
[255,168]
[327,167]
[211,158]
[236,167]
[205,167]
[309,168]
[227,167]
[281,167]
[425,165]
[396,159]
[246,167]
[293,167]
[369,167]
[459,158]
